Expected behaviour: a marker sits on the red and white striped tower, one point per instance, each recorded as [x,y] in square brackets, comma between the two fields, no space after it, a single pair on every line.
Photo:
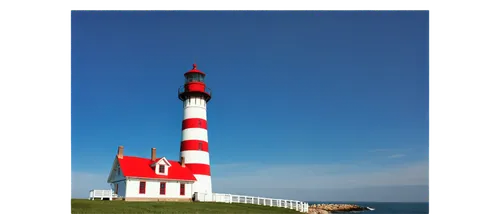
[194,146]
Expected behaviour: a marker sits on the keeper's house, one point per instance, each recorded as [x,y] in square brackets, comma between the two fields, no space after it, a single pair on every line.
[150,179]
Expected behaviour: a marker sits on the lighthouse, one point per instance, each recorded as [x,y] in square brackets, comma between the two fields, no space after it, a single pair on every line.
[194,142]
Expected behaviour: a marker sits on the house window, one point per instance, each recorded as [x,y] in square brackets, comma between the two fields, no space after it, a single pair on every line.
[182,189]
[142,187]
[162,169]
[162,188]
[116,188]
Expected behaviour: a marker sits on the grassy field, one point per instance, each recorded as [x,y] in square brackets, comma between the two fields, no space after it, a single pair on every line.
[81,206]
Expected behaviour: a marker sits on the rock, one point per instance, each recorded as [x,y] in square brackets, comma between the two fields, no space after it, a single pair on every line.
[328,208]
[317,211]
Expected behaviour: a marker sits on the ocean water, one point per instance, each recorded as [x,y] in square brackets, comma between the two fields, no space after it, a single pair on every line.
[388,207]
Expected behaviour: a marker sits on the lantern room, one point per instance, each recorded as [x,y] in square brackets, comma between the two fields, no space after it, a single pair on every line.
[194,75]
[194,85]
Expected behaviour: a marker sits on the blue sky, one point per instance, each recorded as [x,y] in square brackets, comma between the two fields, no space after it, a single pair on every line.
[330,103]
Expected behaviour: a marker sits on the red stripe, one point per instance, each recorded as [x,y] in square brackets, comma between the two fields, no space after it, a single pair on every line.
[197,145]
[194,123]
[198,168]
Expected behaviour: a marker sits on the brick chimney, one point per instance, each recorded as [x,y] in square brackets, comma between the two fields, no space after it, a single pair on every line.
[182,162]
[153,154]
[120,152]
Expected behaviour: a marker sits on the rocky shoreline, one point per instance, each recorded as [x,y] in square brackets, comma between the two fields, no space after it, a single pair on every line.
[334,208]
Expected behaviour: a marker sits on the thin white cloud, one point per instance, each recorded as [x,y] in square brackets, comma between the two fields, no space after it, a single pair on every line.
[327,176]
[397,156]
[281,180]
[380,150]
[386,150]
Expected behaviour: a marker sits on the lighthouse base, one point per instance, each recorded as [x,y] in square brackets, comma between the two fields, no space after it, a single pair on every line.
[203,197]
[203,184]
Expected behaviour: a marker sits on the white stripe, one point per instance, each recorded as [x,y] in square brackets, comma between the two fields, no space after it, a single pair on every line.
[191,156]
[195,112]
[195,134]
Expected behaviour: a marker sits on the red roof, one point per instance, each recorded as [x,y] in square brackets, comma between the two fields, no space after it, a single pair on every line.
[140,167]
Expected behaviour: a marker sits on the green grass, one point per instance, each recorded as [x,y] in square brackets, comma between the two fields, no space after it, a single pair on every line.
[84,206]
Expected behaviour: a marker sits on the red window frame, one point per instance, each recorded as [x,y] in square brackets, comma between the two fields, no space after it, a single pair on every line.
[162,188]
[182,189]
[162,169]
[142,187]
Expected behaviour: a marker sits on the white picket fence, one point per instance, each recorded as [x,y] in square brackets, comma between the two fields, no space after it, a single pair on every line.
[224,198]
[273,202]
[97,193]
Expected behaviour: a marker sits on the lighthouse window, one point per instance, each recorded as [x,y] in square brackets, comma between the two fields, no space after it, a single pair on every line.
[200,145]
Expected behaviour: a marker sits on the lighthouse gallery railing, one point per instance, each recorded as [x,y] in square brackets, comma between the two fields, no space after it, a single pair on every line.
[245,199]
